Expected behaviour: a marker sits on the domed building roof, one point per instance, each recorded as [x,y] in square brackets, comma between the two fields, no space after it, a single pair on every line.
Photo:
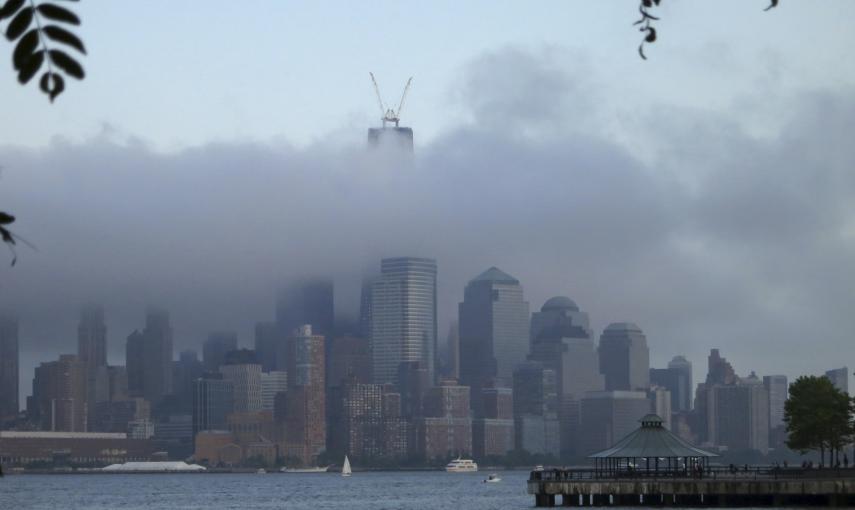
[496,275]
[618,327]
[559,303]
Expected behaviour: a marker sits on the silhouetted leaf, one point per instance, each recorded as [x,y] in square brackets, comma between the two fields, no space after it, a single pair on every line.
[58,13]
[31,66]
[19,24]
[10,8]
[67,64]
[651,34]
[25,48]
[647,3]
[7,236]
[774,3]
[6,218]
[52,84]
[641,51]
[62,35]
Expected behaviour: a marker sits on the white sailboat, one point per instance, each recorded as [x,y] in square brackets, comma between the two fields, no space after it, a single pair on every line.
[345,468]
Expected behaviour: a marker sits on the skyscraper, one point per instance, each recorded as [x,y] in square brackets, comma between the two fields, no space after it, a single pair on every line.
[562,341]
[535,399]
[839,377]
[244,373]
[624,357]
[149,358]
[740,416]
[215,348]
[494,324]
[446,426]
[305,420]
[677,379]
[213,401]
[608,416]
[307,302]
[92,338]
[9,360]
[776,386]
[683,368]
[403,316]
[271,346]
[185,372]
[59,395]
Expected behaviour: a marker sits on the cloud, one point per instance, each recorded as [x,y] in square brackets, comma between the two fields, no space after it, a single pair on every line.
[723,239]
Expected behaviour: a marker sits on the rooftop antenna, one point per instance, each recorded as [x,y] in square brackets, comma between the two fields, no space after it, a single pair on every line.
[388,114]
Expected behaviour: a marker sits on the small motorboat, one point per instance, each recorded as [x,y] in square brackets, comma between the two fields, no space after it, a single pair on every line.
[261,471]
[492,478]
[539,468]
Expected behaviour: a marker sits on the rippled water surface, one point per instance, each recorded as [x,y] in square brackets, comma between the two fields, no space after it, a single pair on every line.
[387,490]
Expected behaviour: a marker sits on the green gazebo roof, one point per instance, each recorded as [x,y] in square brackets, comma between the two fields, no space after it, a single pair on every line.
[651,440]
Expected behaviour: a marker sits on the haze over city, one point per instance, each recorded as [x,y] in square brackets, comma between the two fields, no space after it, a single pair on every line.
[705,194]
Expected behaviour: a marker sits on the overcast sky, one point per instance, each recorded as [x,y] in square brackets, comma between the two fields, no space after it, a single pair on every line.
[706,194]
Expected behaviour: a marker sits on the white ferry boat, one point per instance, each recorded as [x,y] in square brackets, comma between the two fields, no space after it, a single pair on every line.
[459,465]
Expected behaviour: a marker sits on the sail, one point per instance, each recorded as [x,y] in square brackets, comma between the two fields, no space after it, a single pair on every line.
[345,469]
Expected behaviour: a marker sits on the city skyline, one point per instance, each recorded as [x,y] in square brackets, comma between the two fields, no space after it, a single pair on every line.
[92,315]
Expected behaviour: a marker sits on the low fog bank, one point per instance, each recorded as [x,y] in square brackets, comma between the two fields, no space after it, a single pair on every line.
[702,233]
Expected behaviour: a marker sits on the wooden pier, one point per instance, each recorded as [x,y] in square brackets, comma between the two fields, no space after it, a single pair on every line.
[713,487]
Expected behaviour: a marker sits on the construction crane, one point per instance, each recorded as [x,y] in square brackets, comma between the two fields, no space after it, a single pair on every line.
[388,114]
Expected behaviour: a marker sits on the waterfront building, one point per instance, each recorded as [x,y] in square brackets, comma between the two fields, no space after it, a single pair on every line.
[23,448]
[535,409]
[839,377]
[213,401]
[778,389]
[305,408]
[739,417]
[402,317]
[9,359]
[149,358]
[493,431]
[115,416]
[624,358]
[242,370]
[608,416]
[493,329]
[445,429]
[59,395]
[271,384]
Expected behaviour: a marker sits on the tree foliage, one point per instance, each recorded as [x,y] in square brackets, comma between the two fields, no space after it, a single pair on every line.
[42,39]
[647,19]
[819,417]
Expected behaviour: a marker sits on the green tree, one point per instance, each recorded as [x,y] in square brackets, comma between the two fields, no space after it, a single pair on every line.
[819,417]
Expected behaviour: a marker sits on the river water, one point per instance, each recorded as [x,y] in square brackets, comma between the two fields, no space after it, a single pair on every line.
[377,490]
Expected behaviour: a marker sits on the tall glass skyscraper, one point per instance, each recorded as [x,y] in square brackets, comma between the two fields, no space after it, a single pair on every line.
[402,317]
[494,324]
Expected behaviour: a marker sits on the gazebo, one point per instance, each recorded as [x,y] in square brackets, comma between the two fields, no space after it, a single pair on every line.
[652,450]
